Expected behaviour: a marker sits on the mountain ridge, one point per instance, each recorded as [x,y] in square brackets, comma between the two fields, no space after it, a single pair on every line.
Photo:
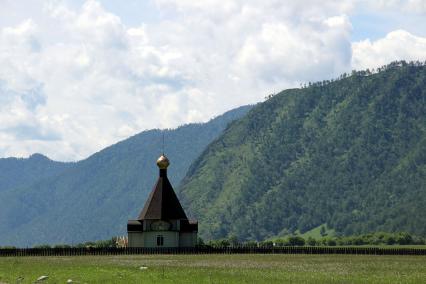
[15,172]
[336,153]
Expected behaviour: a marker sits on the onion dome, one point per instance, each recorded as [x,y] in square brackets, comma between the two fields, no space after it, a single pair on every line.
[163,162]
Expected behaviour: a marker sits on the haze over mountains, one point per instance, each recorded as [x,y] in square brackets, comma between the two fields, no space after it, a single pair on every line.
[18,172]
[349,153]
[42,201]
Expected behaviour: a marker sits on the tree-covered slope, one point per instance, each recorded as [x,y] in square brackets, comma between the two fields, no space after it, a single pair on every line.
[350,154]
[95,197]
[16,172]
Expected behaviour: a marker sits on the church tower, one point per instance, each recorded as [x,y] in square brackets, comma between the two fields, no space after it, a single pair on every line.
[162,222]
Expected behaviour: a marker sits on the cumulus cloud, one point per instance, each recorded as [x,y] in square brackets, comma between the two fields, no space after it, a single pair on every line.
[95,84]
[397,45]
[413,6]
[74,79]
[254,48]
[279,53]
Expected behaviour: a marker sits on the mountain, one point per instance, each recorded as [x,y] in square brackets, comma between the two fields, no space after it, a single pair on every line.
[94,198]
[16,172]
[349,153]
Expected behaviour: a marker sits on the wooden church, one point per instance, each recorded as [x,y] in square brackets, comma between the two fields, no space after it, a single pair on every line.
[162,222]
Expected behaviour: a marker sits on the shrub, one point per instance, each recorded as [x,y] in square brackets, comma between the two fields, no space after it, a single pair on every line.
[61,246]
[219,243]
[266,244]
[404,239]
[331,242]
[200,242]
[281,242]
[43,246]
[233,240]
[296,241]
[311,241]
[250,244]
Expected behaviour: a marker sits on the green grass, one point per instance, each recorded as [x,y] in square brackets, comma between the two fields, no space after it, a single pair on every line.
[216,269]
[313,233]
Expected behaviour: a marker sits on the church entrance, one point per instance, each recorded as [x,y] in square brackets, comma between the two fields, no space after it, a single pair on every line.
[160,240]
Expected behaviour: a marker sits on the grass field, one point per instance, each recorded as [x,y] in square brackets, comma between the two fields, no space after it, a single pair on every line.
[216,269]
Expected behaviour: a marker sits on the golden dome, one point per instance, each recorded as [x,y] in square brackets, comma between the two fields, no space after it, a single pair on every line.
[163,162]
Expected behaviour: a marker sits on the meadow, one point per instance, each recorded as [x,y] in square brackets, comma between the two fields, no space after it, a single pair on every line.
[216,269]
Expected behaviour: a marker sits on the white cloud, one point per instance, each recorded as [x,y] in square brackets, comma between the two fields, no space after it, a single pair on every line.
[75,80]
[280,53]
[397,45]
[253,47]
[410,6]
[100,80]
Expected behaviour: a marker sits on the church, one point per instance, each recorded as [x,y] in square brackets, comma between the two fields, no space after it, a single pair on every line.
[162,222]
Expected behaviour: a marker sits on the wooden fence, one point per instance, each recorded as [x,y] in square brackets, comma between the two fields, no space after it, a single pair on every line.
[211,250]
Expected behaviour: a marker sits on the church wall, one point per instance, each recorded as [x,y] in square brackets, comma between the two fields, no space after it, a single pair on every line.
[187,239]
[171,238]
[136,239]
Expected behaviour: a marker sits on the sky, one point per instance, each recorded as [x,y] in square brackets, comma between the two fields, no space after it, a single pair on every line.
[77,76]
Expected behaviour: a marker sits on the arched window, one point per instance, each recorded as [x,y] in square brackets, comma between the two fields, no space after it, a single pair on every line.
[160,240]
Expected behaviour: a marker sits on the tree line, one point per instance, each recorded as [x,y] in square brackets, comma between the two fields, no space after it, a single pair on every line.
[363,73]
[372,239]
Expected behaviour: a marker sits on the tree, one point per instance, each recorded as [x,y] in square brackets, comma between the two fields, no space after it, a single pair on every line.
[200,241]
[404,239]
[296,241]
[251,244]
[311,241]
[219,243]
[323,231]
[233,240]
[331,242]
[266,244]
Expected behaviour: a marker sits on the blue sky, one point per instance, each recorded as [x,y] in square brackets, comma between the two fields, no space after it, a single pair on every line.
[376,24]
[77,76]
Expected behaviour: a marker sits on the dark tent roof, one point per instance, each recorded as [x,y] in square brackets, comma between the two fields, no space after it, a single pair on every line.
[162,203]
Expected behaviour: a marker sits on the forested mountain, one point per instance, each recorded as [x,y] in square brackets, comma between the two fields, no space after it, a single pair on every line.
[349,153]
[93,199]
[16,172]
